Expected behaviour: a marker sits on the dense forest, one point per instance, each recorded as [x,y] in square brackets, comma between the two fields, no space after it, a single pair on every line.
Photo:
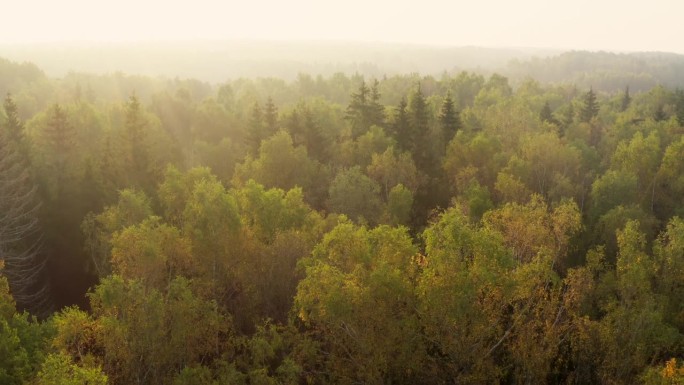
[399,229]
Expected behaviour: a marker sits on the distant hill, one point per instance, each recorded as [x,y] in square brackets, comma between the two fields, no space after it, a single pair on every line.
[217,61]
[603,70]
[220,61]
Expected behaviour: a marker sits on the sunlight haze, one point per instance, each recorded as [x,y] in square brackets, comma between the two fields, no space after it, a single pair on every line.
[609,25]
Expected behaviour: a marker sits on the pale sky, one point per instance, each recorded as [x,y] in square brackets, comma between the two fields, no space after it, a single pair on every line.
[619,25]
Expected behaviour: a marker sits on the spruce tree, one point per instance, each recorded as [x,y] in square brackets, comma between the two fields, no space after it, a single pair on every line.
[295,127]
[545,114]
[401,126]
[255,133]
[356,111]
[270,118]
[659,114]
[138,157]
[317,143]
[13,125]
[20,232]
[449,118]
[419,133]
[60,136]
[679,106]
[375,111]
[590,108]
[569,116]
[626,100]
[364,109]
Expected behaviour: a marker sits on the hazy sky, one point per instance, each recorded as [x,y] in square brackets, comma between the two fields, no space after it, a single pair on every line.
[630,25]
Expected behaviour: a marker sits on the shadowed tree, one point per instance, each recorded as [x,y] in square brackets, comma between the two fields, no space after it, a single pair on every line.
[20,233]
[626,100]
[545,114]
[256,129]
[419,119]
[590,108]
[138,159]
[449,119]
[364,109]
[401,127]
[13,125]
[270,118]
[59,135]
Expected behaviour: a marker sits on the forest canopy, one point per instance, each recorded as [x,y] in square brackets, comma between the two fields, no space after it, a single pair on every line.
[345,228]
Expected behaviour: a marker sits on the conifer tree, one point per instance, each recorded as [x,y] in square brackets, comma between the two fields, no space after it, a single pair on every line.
[20,233]
[626,100]
[314,138]
[295,128]
[590,108]
[545,114]
[420,130]
[256,129]
[59,134]
[270,117]
[659,114]
[138,153]
[13,125]
[365,110]
[569,116]
[449,118]
[401,126]
[355,113]
[375,110]
[679,106]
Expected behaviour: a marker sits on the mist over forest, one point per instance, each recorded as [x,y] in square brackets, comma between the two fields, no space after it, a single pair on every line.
[216,61]
[253,212]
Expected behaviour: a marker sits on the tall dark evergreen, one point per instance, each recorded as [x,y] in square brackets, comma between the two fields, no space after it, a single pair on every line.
[626,100]
[659,115]
[294,126]
[545,115]
[270,117]
[60,136]
[401,126]
[256,131]
[419,133]
[355,113]
[20,231]
[13,125]
[449,118]
[590,108]
[679,106]
[317,143]
[138,157]
[375,110]
[364,109]
[569,116]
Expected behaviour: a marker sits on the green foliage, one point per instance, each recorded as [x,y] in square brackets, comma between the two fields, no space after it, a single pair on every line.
[390,169]
[147,335]
[354,194]
[449,119]
[612,189]
[132,208]
[347,297]
[271,211]
[399,205]
[364,109]
[280,164]
[529,234]
[590,108]
[58,369]
[23,341]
